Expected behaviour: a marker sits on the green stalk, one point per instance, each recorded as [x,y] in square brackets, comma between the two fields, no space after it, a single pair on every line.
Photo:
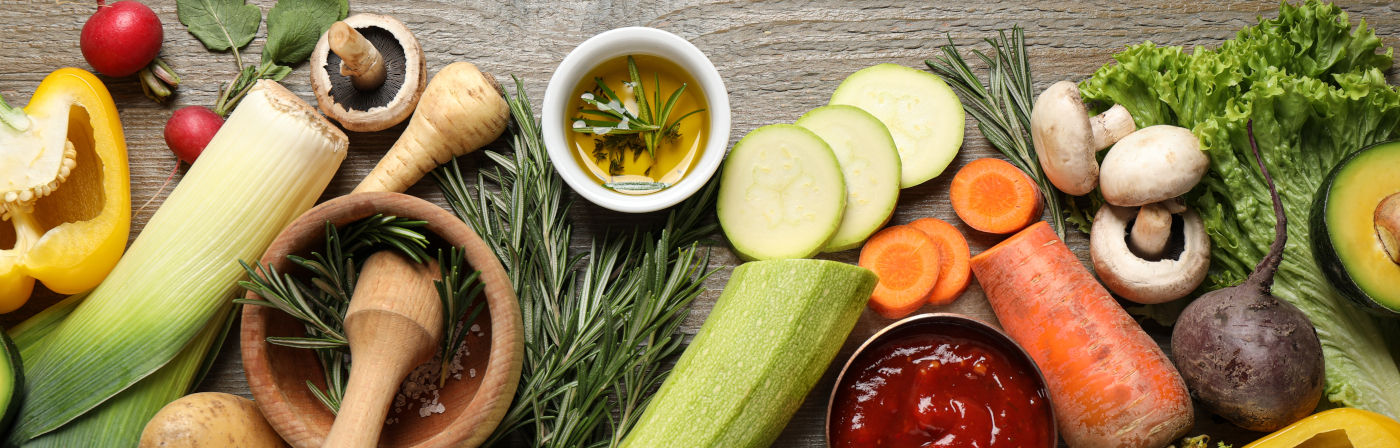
[28,334]
[269,163]
[120,420]
[13,117]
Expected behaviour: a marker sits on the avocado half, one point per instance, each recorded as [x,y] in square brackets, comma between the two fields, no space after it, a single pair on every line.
[1343,228]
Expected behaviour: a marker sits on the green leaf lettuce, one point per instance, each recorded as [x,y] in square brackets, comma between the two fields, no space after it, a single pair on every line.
[1315,90]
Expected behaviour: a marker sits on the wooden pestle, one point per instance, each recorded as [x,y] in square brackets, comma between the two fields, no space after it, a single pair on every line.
[358,58]
[394,324]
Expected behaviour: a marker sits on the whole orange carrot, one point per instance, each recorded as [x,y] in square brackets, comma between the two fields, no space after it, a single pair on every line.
[1110,384]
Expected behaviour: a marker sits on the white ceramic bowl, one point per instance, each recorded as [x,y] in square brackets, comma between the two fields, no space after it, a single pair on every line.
[622,42]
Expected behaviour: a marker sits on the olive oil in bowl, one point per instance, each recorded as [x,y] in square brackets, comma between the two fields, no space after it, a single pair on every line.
[637,124]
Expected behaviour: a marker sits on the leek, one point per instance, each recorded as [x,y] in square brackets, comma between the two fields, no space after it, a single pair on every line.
[269,163]
[29,333]
[120,420]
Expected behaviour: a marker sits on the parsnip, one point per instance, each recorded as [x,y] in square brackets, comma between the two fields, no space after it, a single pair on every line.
[462,109]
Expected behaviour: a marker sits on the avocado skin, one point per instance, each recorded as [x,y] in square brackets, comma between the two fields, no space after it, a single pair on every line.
[1326,253]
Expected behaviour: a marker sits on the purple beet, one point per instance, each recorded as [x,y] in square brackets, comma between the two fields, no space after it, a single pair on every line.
[1248,356]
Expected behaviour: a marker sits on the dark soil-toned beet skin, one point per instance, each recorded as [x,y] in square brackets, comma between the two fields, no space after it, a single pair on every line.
[1248,356]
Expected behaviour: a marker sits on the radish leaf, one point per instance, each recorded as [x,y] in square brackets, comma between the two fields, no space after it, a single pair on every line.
[220,24]
[294,26]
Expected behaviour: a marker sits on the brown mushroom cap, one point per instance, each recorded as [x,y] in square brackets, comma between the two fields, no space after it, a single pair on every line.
[1145,281]
[371,110]
[1154,164]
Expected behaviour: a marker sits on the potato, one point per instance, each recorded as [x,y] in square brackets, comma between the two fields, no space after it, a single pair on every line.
[210,419]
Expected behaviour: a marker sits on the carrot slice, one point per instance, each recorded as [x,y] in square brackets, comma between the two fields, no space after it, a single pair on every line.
[994,196]
[954,272]
[1110,384]
[906,260]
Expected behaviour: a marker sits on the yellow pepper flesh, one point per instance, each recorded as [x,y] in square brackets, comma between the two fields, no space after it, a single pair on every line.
[74,236]
[1362,429]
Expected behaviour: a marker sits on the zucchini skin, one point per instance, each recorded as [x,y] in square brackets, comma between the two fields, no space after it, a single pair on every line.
[772,334]
[1325,253]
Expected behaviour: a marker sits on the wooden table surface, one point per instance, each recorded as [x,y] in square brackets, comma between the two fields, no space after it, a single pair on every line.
[778,59]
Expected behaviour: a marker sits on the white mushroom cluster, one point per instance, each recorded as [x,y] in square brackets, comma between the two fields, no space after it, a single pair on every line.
[1142,178]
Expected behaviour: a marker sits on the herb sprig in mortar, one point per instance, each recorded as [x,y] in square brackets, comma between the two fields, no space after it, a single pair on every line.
[322,306]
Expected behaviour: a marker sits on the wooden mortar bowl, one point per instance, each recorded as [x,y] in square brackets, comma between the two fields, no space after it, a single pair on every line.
[474,405]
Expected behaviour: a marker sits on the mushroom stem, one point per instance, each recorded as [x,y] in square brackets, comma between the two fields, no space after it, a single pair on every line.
[1174,205]
[359,60]
[1151,230]
[1388,225]
[1111,126]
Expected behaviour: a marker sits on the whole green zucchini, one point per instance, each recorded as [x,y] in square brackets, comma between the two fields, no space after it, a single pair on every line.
[771,335]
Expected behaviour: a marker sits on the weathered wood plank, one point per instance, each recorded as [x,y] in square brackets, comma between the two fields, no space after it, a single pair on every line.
[779,59]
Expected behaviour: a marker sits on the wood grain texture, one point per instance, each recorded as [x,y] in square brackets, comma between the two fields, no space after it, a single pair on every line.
[778,59]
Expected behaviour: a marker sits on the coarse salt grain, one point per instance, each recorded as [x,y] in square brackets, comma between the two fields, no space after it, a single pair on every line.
[424,379]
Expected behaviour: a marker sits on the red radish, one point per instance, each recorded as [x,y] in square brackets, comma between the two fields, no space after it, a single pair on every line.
[120,39]
[189,130]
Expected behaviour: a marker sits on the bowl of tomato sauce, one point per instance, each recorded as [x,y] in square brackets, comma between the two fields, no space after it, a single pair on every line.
[936,380]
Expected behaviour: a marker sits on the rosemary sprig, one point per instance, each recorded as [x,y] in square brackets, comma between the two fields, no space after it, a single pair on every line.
[322,307]
[1002,108]
[596,338]
[458,295]
[651,119]
[324,319]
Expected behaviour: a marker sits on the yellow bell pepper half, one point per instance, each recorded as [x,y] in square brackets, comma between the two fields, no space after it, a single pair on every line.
[65,193]
[1345,427]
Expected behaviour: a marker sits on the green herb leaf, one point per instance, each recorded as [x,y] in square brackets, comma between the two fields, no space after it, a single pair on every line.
[294,26]
[220,24]
[458,295]
[276,72]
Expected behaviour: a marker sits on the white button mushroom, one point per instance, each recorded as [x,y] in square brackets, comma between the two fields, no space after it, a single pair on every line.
[1151,230]
[1154,164]
[1066,138]
[1145,281]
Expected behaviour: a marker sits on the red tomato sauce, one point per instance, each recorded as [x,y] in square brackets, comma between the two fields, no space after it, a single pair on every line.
[950,389]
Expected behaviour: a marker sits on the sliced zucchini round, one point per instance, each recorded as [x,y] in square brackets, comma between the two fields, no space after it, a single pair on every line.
[922,113]
[869,165]
[781,194]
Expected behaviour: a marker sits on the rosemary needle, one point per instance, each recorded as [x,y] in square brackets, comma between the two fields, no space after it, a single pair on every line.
[1002,108]
[321,307]
[599,326]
